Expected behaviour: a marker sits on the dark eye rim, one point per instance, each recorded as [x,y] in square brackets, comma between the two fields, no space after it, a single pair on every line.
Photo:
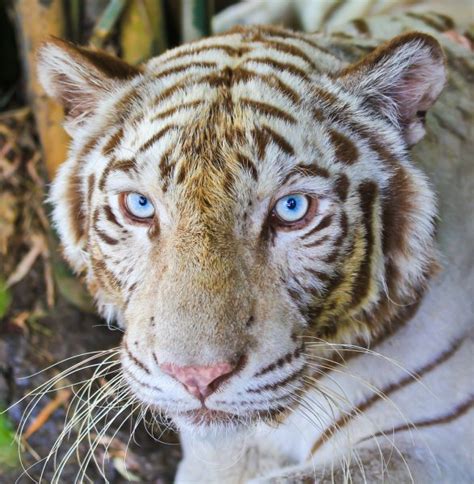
[286,226]
[129,215]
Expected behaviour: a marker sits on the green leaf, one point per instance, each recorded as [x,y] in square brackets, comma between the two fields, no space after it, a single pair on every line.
[5,298]
[8,445]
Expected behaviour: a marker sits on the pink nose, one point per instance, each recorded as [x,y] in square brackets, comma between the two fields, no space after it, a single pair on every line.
[200,381]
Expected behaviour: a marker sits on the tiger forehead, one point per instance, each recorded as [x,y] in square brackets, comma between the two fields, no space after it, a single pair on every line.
[208,113]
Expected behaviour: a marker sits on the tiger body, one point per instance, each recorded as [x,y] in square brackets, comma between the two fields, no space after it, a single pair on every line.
[214,133]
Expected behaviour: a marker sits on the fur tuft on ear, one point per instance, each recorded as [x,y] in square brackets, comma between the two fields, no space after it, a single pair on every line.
[402,79]
[78,77]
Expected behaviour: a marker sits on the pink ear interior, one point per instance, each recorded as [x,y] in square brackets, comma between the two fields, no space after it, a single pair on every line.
[402,78]
[78,77]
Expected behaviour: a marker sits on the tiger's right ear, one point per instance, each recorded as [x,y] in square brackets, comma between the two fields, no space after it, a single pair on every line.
[79,77]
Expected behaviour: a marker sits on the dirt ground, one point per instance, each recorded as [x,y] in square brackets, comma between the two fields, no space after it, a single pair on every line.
[43,324]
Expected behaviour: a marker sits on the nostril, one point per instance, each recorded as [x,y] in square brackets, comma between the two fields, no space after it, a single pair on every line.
[201,381]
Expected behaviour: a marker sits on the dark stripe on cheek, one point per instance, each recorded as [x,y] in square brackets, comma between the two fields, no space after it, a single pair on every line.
[76,203]
[368,194]
[110,216]
[346,151]
[325,222]
[341,186]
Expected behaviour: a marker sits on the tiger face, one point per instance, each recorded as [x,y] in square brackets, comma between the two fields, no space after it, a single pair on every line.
[237,197]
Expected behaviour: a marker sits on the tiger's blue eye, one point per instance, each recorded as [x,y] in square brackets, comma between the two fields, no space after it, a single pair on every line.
[292,207]
[139,206]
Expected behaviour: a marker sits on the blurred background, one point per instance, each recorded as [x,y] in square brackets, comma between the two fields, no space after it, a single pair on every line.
[45,314]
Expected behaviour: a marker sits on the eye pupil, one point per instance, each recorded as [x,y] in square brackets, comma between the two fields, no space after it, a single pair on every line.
[142,201]
[291,203]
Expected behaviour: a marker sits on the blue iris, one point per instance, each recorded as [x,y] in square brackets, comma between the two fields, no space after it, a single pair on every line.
[292,207]
[139,205]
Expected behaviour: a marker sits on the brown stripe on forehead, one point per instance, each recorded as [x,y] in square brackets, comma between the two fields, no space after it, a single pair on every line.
[245,75]
[306,171]
[264,135]
[267,110]
[346,151]
[184,67]
[368,194]
[229,50]
[248,165]
[175,109]
[116,165]
[156,137]
[280,66]
[113,141]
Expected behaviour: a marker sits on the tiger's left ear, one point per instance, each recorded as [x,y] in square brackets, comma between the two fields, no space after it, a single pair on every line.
[402,79]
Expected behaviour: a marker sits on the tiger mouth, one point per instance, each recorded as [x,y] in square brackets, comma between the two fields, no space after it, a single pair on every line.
[206,416]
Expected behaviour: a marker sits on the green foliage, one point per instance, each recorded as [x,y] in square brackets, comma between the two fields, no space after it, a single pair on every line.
[8,446]
[5,298]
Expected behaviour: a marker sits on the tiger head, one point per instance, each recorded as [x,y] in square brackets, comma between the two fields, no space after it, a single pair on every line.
[240,204]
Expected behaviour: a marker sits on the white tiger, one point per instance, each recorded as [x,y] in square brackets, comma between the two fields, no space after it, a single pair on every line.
[248,207]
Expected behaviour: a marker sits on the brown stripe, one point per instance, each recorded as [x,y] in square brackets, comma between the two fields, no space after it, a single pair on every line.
[75,198]
[428,20]
[341,186]
[156,137]
[106,238]
[367,193]
[248,165]
[113,142]
[322,276]
[346,151]
[229,50]
[280,66]
[458,411]
[291,50]
[137,362]
[180,107]
[331,257]
[279,140]
[344,223]
[361,26]
[168,92]
[271,80]
[184,67]
[110,216]
[90,188]
[273,31]
[123,165]
[267,110]
[324,222]
[284,360]
[382,394]
[316,242]
[140,383]
[278,384]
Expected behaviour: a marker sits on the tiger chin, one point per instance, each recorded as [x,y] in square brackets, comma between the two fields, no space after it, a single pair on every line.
[247,208]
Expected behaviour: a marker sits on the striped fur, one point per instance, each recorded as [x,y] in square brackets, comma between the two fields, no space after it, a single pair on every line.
[214,132]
